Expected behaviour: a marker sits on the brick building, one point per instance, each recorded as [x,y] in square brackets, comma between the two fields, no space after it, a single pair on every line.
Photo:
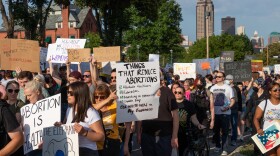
[63,22]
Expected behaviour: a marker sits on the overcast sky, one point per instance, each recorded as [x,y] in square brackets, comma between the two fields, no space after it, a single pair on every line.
[260,15]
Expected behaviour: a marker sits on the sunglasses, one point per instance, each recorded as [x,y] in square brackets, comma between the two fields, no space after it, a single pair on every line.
[102,97]
[275,90]
[87,76]
[70,93]
[113,77]
[219,77]
[11,90]
[177,92]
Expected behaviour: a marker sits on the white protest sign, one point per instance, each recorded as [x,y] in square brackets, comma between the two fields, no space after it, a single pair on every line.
[62,140]
[277,69]
[43,113]
[185,70]
[270,139]
[60,54]
[52,54]
[137,85]
[153,57]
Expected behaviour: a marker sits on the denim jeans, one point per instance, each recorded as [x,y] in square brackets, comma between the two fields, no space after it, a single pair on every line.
[156,145]
[221,123]
[36,152]
[234,121]
[87,152]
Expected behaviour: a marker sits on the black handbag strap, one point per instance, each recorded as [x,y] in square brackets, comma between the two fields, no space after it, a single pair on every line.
[264,112]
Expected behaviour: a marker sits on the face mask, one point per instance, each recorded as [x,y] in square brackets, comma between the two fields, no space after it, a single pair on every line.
[256,89]
[227,82]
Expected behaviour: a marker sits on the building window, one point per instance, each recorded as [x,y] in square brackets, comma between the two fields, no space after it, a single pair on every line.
[72,36]
[71,24]
[59,25]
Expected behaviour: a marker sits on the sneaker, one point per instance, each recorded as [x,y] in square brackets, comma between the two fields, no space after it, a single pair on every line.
[224,153]
[241,138]
[217,149]
[233,143]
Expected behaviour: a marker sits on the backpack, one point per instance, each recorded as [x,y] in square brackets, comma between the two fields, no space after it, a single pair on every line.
[200,99]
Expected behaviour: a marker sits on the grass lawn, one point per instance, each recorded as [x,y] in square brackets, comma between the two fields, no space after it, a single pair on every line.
[247,150]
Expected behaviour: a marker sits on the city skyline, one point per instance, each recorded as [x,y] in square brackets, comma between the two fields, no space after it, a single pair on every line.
[253,14]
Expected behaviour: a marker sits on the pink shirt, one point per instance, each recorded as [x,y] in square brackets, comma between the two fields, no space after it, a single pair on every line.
[188,94]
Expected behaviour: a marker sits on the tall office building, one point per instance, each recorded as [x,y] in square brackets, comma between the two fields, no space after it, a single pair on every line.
[257,42]
[274,37]
[241,30]
[228,25]
[204,11]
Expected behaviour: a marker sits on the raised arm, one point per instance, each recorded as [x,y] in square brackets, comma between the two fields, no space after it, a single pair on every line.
[110,99]
[93,70]
[54,73]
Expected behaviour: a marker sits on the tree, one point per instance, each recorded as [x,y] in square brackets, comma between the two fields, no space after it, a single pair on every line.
[8,20]
[32,16]
[154,35]
[93,40]
[273,50]
[240,44]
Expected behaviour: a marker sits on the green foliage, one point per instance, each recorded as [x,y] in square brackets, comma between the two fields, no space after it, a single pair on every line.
[240,44]
[93,40]
[111,21]
[154,36]
[273,50]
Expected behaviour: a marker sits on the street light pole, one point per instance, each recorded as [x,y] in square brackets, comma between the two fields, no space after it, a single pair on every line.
[267,55]
[138,46]
[207,34]
[171,51]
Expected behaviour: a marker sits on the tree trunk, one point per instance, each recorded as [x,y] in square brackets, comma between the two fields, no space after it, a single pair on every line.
[8,24]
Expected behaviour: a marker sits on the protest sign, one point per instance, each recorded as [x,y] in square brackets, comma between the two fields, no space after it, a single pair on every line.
[205,66]
[43,56]
[226,56]
[185,70]
[153,58]
[20,53]
[240,70]
[58,51]
[78,55]
[270,139]
[257,65]
[277,69]
[105,54]
[62,140]
[108,66]
[43,113]
[137,85]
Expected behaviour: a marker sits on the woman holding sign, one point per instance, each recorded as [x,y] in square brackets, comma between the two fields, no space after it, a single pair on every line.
[33,93]
[269,111]
[86,119]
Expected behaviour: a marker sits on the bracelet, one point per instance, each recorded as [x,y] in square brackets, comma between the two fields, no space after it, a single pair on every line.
[86,133]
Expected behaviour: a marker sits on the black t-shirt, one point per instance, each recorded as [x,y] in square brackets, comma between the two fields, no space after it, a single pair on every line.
[162,126]
[186,110]
[9,124]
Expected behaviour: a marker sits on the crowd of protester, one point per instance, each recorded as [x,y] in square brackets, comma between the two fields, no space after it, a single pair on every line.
[215,101]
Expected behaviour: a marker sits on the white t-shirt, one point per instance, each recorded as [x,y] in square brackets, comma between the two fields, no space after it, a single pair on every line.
[92,117]
[222,95]
[271,114]
[4,82]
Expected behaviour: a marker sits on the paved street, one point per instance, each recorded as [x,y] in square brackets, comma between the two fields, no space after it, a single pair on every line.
[137,150]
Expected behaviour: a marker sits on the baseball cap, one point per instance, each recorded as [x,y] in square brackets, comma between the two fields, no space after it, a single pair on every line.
[229,77]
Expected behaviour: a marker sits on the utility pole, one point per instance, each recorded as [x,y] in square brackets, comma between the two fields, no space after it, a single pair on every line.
[207,34]
[171,51]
